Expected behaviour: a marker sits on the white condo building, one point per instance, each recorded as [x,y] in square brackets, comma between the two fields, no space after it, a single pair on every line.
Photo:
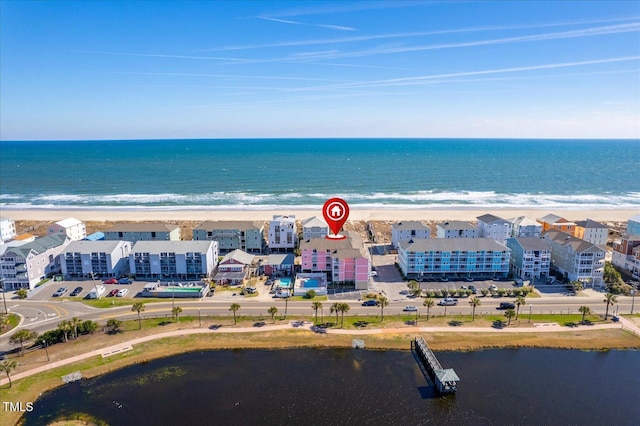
[456,229]
[525,227]
[314,227]
[283,235]
[26,265]
[7,229]
[81,259]
[410,230]
[490,226]
[173,259]
[70,227]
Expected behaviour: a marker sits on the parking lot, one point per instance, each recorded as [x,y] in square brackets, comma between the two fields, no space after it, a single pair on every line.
[48,290]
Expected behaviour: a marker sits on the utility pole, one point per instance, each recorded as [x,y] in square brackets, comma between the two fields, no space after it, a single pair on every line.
[6,311]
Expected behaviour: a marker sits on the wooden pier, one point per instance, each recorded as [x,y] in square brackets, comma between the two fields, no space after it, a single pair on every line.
[444,379]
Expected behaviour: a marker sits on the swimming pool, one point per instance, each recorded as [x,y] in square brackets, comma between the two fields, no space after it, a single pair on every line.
[284,283]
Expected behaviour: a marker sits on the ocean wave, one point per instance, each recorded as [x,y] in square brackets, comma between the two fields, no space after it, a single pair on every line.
[295,200]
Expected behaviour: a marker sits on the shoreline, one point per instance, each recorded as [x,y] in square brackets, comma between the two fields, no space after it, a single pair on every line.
[356,214]
[31,387]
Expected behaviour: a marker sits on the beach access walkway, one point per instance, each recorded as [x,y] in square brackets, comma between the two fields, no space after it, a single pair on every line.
[299,325]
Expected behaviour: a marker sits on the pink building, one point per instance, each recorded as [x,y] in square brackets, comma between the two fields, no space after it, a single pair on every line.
[343,261]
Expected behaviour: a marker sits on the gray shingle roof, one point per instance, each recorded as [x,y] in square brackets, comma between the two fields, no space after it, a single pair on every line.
[171,246]
[453,244]
[142,227]
[489,218]
[531,243]
[87,246]
[228,224]
[409,225]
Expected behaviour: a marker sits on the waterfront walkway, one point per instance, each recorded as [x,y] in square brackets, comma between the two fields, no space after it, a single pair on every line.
[120,347]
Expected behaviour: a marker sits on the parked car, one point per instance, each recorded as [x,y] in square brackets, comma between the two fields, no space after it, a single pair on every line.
[111,281]
[60,292]
[551,280]
[373,274]
[447,301]
[370,302]
[76,291]
[506,305]
[493,287]
[473,289]
[113,292]
[410,308]
[125,280]
[122,292]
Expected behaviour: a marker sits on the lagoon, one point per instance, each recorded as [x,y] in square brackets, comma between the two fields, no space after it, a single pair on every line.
[347,386]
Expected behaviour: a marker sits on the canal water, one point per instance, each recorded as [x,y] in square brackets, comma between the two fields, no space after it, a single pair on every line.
[347,387]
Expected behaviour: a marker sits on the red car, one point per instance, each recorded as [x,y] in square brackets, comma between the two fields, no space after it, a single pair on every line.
[113,292]
[111,281]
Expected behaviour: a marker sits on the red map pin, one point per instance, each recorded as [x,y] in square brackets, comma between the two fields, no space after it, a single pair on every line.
[336,213]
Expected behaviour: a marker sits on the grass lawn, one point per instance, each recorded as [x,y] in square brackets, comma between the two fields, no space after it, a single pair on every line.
[110,302]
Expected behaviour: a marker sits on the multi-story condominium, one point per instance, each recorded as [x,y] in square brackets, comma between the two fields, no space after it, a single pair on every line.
[592,231]
[314,228]
[552,221]
[232,235]
[530,257]
[95,258]
[407,231]
[70,227]
[173,259]
[26,265]
[623,252]
[579,260]
[282,234]
[454,257]
[456,229]
[234,267]
[490,226]
[343,261]
[633,225]
[135,232]
[7,229]
[525,227]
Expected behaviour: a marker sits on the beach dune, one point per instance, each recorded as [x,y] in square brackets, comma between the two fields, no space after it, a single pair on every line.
[605,215]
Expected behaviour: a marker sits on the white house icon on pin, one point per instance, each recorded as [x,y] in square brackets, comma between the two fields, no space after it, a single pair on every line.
[336,211]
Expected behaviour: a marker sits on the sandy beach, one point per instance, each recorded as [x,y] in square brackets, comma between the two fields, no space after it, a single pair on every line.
[607,215]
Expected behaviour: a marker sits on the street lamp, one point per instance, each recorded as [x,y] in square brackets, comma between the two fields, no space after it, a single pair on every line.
[6,311]
[95,288]
[633,299]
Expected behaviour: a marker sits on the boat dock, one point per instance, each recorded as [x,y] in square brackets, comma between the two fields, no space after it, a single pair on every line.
[444,379]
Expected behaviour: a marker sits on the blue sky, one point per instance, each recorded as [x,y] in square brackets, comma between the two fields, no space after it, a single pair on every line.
[198,69]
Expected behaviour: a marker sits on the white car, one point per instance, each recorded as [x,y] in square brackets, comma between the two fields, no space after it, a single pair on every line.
[122,292]
[410,308]
[373,274]
[493,287]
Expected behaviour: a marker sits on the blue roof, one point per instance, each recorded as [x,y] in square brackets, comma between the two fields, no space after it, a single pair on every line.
[96,236]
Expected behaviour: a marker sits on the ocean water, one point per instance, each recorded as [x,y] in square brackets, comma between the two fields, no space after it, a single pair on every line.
[264,174]
[358,387]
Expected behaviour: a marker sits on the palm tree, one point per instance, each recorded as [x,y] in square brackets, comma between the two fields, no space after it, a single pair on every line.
[75,322]
[584,310]
[273,311]
[335,308]
[610,299]
[114,324]
[138,307]
[383,302]
[577,286]
[8,367]
[21,337]
[175,311]
[315,306]
[234,308]
[428,303]
[65,328]
[519,302]
[509,313]
[343,307]
[474,301]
